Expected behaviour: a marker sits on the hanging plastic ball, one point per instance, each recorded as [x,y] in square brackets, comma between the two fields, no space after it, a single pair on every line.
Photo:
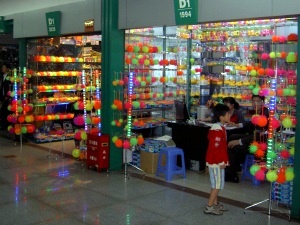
[252,149]
[292,151]
[140,140]
[259,153]
[281,176]
[24,130]
[271,175]
[76,153]
[285,154]
[263,146]
[262,121]
[133,141]
[30,128]
[253,169]
[77,135]
[275,123]
[84,136]
[113,123]
[119,143]
[17,130]
[271,155]
[126,144]
[114,139]
[289,174]
[287,122]
[21,119]
[260,175]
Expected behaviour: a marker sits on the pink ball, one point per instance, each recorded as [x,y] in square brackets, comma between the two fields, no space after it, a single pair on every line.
[270,72]
[265,56]
[126,144]
[260,175]
[265,91]
[142,105]
[136,83]
[11,130]
[126,105]
[291,100]
[153,79]
[281,39]
[80,121]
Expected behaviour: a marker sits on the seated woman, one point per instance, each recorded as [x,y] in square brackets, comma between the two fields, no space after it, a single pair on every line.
[236,116]
[238,144]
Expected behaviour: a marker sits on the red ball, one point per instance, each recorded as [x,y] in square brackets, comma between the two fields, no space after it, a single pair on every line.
[285,154]
[275,123]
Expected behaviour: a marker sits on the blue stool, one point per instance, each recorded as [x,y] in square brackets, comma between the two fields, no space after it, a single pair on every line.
[171,167]
[246,170]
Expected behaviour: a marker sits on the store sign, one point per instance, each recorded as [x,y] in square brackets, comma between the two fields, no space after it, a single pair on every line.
[53,23]
[89,26]
[186,12]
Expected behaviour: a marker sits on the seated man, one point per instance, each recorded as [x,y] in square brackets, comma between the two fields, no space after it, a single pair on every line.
[238,144]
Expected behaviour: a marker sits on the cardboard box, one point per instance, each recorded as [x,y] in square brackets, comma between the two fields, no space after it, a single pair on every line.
[149,161]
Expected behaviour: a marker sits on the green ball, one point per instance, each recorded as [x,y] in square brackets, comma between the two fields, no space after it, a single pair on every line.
[83,136]
[134,61]
[76,153]
[253,149]
[289,175]
[136,104]
[193,72]
[146,62]
[143,83]
[272,55]
[24,130]
[292,151]
[113,106]
[271,175]
[139,79]
[278,55]
[287,122]
[149,78]
[113,123]
[253,73]
[136,48]
[114,139]
[192,60]
[253,169]
[250,87]
[145,49]
[292,92]
[133,141]
[88,120]
[155,62]
[271,155]
[286,92]
[126,127]
[255,90]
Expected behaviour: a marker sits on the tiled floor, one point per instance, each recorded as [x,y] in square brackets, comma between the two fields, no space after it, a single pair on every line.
[37,190]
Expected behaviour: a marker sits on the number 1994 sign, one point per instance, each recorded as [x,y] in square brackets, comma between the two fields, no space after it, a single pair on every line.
[186,12]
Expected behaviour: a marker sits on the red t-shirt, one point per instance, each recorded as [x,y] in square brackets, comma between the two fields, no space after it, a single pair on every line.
[217,146]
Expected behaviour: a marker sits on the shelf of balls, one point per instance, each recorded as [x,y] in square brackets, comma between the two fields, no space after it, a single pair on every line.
[59,116]
[152,105]
[56,101]
[148,123]
[69,87]
[58,73]
[56,59]
[43,138]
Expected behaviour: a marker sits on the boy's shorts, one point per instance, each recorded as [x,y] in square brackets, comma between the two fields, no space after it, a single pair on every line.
[217,176]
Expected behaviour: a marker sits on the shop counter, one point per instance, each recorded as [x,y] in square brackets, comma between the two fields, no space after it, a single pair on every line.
[192,139]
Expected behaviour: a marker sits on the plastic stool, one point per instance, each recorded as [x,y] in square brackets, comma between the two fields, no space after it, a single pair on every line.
[246,170]
[171,167]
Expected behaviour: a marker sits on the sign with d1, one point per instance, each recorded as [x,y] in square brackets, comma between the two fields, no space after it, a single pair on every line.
[186,12]
[53,23]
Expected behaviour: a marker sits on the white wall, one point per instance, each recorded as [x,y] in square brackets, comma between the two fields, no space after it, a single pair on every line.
[8,7]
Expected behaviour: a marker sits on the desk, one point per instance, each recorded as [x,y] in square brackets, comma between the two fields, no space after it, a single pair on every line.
[192,139]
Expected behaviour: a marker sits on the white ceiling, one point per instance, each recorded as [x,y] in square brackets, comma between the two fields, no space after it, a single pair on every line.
[8,7]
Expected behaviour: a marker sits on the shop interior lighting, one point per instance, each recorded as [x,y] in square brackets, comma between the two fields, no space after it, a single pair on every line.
[129,112]
[84,99]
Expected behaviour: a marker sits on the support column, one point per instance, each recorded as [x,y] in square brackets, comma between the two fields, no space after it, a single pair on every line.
[113,46]
[22,53]
[296,188]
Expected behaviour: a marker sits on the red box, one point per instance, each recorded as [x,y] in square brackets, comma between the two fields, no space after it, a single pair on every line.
[98,151]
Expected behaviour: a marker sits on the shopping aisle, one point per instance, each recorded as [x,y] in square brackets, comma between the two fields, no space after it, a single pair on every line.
[36,190]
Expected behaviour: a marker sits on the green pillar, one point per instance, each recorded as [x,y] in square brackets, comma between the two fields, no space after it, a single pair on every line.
[112,61]
[22,53]
[296,188]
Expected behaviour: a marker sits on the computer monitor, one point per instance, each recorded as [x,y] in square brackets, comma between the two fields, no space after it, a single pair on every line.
[182,114]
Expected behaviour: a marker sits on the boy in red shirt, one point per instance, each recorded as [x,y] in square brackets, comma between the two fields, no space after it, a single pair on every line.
[217,158]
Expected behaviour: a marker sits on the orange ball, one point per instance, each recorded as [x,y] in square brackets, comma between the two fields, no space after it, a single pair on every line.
[119,143]
[261,71]
[179,73]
